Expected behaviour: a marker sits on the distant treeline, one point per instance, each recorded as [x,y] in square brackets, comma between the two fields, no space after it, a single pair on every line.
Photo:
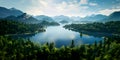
[108,27]
[21,49]
[46,23]
[13,27]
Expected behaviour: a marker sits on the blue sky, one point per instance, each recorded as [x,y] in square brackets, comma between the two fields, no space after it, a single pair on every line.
[64,7]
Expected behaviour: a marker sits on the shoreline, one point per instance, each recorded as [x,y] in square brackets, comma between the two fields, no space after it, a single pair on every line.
[25,33]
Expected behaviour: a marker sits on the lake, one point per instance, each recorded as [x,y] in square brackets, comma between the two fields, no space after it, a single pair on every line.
[61,36]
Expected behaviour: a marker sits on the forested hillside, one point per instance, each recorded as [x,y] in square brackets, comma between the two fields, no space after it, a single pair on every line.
[108,27]
[13,27]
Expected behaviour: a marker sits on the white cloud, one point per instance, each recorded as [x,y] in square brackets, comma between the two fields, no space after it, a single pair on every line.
[83,1]
[41,7]
[93,4]
[72,9]
[108,11]
[50,8]
[34,11]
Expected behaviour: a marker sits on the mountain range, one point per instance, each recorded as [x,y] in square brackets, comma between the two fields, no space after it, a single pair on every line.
[62,18]
[44,18]
[23,18]
[4,12]
[115,16]
[15,14]
[94,18]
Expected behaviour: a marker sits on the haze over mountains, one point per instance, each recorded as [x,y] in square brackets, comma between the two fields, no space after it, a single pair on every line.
[15,14]
[4,12]
[44,18]
[94,18]
[115,16]
[61,18]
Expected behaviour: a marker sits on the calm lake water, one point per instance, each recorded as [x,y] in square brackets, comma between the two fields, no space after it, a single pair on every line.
[61,36]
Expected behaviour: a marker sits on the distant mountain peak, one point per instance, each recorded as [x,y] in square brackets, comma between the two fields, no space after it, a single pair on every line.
[115,16]
[5,12]
[24,15]
[44,18]
[13,8]
[116,13]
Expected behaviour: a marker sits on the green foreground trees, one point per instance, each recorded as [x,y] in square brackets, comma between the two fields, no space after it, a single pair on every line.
[21,49]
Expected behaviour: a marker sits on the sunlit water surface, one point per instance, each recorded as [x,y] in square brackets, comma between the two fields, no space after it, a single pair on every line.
[61,36]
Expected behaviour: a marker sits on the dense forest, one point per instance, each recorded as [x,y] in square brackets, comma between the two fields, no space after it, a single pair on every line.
[24,49]
[13,27]
[108,27]
[21,49]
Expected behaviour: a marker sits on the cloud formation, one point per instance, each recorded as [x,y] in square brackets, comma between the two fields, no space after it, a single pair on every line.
[83,1]
[108,11]
[63,7]
[93,4]
[49,7]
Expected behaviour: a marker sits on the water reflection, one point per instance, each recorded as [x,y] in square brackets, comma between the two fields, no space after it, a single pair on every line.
[61,36]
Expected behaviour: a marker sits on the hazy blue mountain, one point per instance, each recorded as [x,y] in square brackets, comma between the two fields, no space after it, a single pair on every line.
[4,12]
[44,18]
[31,20]
[27,18]
[23,18]
[62,18]
[75,18]
[11,18]
[115,16]
[63,21]
[94,18]
[47,23]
